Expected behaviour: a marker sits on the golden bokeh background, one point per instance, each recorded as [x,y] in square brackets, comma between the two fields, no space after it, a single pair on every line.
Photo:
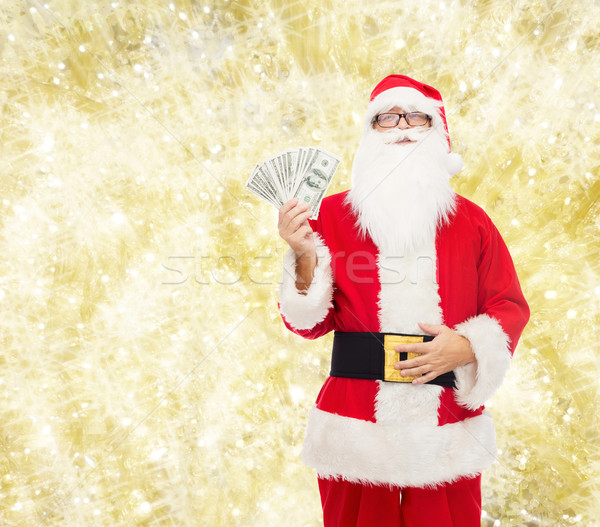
[146,377]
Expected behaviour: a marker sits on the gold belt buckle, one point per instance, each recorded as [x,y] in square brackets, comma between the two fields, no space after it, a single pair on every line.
[392,357]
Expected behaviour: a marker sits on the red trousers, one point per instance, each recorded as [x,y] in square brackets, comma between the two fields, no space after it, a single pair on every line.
[348,504]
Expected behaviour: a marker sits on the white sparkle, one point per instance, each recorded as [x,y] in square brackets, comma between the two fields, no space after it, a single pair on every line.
[118,218]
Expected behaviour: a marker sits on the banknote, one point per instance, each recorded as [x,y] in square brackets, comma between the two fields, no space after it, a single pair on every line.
[315,181]
[304,173]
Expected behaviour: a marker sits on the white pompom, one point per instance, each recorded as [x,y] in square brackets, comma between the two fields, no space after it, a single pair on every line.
[454,163]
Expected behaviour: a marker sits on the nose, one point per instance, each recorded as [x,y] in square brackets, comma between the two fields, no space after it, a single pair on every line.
[402,124]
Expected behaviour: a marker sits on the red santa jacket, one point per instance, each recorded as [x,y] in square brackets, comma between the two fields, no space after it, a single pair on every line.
[396,433]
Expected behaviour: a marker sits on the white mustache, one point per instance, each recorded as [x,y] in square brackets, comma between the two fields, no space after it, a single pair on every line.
[396,135]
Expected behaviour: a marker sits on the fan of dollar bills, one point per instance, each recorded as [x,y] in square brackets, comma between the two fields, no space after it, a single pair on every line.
[304,173]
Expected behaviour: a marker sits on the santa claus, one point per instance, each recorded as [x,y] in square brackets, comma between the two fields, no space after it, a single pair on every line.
[427,310]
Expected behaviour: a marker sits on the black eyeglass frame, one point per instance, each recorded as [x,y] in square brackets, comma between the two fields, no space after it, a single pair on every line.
[400,116]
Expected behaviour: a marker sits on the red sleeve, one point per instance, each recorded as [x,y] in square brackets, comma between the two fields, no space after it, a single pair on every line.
[498,314]
[320,329]
[499,293]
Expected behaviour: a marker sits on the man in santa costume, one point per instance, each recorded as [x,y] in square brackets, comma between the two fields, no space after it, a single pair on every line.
[427,310]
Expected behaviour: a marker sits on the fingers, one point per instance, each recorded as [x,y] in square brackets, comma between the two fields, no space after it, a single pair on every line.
[287,206]
[299,220]
[292,215]
[425,378]
[413,370]
[411,364]
[295,229]
[417,347]
[421,370]
[296,238]
[434,357]
[423,347]
[291,227]
[422,374]
[432,329]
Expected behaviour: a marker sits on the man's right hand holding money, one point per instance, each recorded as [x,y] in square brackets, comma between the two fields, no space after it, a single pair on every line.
[296,231]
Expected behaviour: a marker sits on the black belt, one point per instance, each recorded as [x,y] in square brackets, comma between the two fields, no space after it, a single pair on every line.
[372,356]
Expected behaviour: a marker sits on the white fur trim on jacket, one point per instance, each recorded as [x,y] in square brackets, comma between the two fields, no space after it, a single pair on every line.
[409,292]
[477,381]
[304,310]
[409,450]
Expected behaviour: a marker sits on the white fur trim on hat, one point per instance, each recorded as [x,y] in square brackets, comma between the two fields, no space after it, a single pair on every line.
[305,309]
[409,99]
[477,381]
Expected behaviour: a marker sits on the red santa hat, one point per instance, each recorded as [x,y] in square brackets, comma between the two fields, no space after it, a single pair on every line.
[413,96]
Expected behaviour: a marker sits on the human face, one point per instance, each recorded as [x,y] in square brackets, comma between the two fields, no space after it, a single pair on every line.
[402,124]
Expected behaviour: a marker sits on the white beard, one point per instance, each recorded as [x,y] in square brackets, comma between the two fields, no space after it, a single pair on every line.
[401,192]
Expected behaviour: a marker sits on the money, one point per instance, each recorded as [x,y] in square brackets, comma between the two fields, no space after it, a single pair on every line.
[304,173]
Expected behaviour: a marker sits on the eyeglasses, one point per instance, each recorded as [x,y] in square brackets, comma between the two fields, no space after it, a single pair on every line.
[390,120]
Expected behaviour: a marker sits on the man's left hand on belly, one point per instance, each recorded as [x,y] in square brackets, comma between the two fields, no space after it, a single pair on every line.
[444,353]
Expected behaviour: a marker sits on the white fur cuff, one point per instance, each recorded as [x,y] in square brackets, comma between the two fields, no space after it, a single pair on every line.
[304,310]
[477,381]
